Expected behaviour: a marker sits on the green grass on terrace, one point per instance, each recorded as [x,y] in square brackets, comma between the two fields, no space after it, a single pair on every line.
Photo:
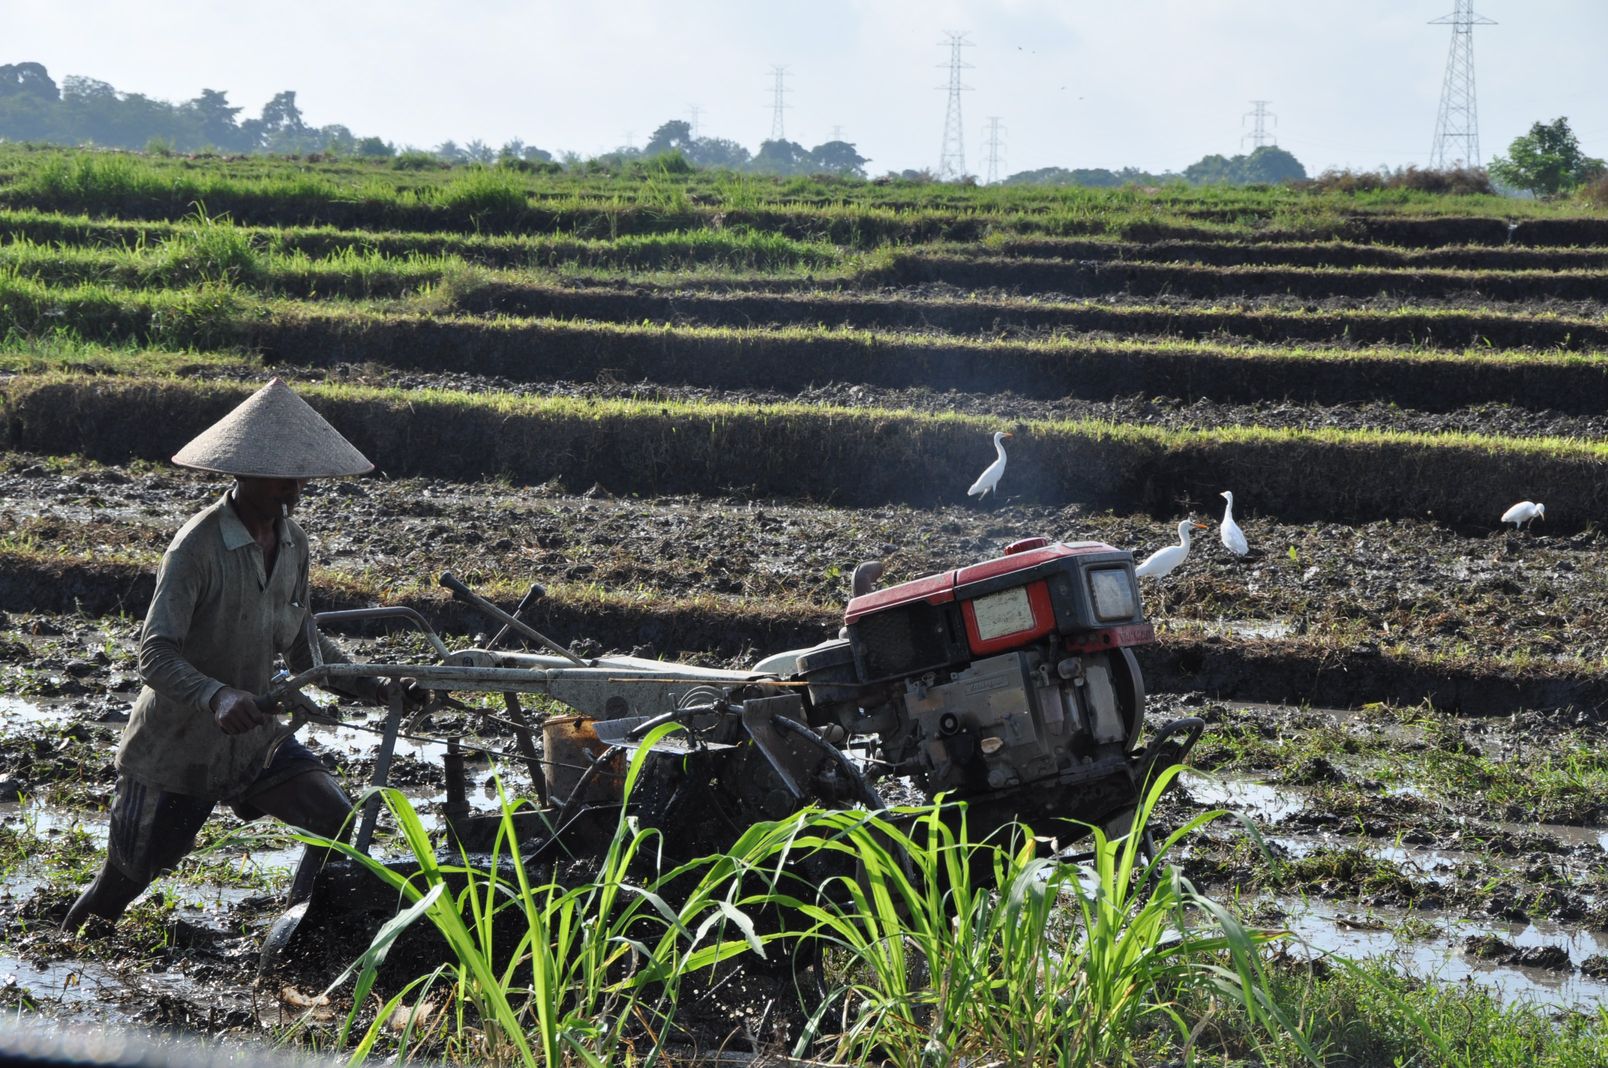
[738,247]
[121,183]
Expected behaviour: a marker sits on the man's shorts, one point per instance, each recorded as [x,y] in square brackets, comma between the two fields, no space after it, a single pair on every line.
[153,829]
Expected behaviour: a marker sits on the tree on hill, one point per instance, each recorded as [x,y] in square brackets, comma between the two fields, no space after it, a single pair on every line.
[214,120]
[1547,161]
[1267,165]
[1094,177]
[29,80]
[717,152]
[837,157]
[89,111]
[779,157]
[1271,165]
[280,127]
[29,99]
[673,136]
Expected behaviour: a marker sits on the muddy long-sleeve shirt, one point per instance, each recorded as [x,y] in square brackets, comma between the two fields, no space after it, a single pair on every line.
[217,619]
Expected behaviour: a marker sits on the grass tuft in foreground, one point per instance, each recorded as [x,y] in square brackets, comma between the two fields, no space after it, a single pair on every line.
[934,948]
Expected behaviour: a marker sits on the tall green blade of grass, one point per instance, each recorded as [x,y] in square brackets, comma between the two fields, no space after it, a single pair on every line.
[592,960]
[942,965]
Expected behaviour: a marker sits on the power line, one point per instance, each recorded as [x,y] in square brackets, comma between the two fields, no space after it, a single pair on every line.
[952,158]
[778,103]
[996,144]
[1457,126]
[1259,135]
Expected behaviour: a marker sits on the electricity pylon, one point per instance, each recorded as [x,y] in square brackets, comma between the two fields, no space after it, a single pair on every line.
[1259,135]
[1457,127]
[778,103]
[952,158]
[996,144]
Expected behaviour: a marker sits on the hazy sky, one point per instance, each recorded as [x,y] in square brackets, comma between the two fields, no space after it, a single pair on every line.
[1077,83]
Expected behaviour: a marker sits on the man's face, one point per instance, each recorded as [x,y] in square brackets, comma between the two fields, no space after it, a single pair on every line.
[270,496]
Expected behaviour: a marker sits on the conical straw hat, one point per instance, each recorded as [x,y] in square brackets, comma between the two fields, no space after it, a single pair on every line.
[273,434]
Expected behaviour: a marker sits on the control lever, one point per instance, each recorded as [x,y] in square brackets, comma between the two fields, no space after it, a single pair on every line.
[532,595]
[470,597]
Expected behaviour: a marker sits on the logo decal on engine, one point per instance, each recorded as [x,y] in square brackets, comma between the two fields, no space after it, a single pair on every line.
[995,682]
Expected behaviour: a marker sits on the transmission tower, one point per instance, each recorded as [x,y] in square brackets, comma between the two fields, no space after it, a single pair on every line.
[779,103]
[952,160]
[996,145]
[694,111]
[1457,127]
[1259,135]
[837,133]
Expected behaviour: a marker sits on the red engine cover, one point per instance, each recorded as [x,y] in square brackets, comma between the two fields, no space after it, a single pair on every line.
[939,589]
[1035,591]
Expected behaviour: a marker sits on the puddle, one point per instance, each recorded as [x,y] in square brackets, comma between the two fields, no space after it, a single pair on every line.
[1259,801]
[1337,930]
[1424,863]
[15,711]
[49,822]
[90,990]
[64,982]
[1264,629]
[1572,837]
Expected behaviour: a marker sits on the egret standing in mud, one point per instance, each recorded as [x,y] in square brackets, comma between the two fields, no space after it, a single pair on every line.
[1233,536]
[989,479]
[1524,513]
[1162,561]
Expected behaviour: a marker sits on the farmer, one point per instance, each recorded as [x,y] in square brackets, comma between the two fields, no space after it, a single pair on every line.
[231,593]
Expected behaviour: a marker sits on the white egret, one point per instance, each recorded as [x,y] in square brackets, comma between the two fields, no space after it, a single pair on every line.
[989,479]
[1164,560]
[1524,513]
[1233,536]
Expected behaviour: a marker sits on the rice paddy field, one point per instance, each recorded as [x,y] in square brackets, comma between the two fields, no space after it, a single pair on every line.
[689,404]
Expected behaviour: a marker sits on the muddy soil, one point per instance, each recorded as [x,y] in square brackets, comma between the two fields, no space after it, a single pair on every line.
[1390,831]
[1532,598]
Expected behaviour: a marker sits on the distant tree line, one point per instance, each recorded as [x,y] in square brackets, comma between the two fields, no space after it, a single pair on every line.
[674,145]
[86,111]
[33,107]
[1267,165]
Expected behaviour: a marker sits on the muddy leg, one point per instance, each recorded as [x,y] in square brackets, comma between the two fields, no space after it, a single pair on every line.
[107,897]
[314,802]
[151,830]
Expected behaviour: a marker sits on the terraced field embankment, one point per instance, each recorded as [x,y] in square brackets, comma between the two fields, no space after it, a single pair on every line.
[841,456]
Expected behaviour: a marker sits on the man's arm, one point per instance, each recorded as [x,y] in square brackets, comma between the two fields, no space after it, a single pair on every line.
[179,583]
